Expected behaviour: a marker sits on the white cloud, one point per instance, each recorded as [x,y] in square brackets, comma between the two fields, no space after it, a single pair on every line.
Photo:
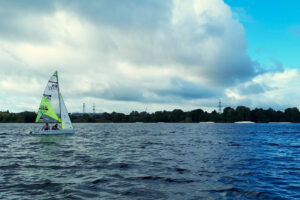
[123,55]
[275,89]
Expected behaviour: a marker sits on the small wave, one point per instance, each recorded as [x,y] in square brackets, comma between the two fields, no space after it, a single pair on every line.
[98,166]
[100,180]
[152,143]
[120,165]
[146,193]
[172,180]
[233,144]
[155,178]
[78,194]
[293,168]
[178,169]
[47,184]
[294,146]
[71,197]
[209,172]
[42,142]
[287,158]
[12,166]
[151,178]
[181,170]
[250,159]
[232,189]
[118,176]
[246,173]
[289,132]
[50,167]
[271,144]
[240,194]
[202,141]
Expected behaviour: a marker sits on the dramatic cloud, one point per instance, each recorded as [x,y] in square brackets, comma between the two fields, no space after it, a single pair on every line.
[274,89]
[124,55]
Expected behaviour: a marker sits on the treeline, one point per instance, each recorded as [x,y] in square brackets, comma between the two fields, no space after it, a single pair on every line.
[241,113]
[22,117]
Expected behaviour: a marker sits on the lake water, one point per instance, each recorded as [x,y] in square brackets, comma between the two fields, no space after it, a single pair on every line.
[152,161]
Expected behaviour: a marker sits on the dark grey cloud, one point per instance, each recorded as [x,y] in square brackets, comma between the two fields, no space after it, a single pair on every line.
[121,93]
[15,6]
[177,90]
[124,15]
[181,89]
[115,91]
[253,88]
[21,20]
[228,72]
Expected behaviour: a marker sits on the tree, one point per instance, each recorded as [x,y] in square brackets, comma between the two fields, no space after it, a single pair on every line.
[196,115]
[243,113]
[177,115]
[214,116]
[228,115]
[260,115]
[134,116]
[292,114]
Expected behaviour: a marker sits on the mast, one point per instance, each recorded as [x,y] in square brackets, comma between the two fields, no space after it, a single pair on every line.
[58,96]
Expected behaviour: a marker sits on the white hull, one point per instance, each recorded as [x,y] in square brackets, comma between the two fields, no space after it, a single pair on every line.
[54,132]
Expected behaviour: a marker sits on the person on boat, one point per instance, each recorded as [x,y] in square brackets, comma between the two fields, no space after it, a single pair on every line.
[55,127]
[46,127]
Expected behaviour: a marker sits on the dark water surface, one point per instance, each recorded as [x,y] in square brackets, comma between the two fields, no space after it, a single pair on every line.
[152,161]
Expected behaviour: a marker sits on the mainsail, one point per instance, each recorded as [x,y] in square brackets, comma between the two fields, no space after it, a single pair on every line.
[49,110]
[52,108]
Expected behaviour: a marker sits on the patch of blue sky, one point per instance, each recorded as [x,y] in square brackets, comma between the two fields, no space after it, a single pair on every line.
[272,29]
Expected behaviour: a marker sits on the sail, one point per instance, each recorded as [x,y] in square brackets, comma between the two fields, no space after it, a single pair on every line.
[65,119]
[49,110]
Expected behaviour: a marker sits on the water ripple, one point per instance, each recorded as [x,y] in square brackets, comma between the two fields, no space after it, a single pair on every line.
[152,161]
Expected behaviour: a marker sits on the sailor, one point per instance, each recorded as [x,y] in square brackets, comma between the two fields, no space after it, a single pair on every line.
[55,127]
[46,127]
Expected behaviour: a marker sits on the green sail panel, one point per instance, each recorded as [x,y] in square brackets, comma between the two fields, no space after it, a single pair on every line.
[46,112]
[49,110]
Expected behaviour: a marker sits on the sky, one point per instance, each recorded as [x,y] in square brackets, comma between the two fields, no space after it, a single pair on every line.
[150,55]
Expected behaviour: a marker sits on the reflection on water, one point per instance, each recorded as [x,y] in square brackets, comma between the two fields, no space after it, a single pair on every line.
[152,161]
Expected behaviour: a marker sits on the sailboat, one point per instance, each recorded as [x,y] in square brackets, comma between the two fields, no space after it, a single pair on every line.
[53,110]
